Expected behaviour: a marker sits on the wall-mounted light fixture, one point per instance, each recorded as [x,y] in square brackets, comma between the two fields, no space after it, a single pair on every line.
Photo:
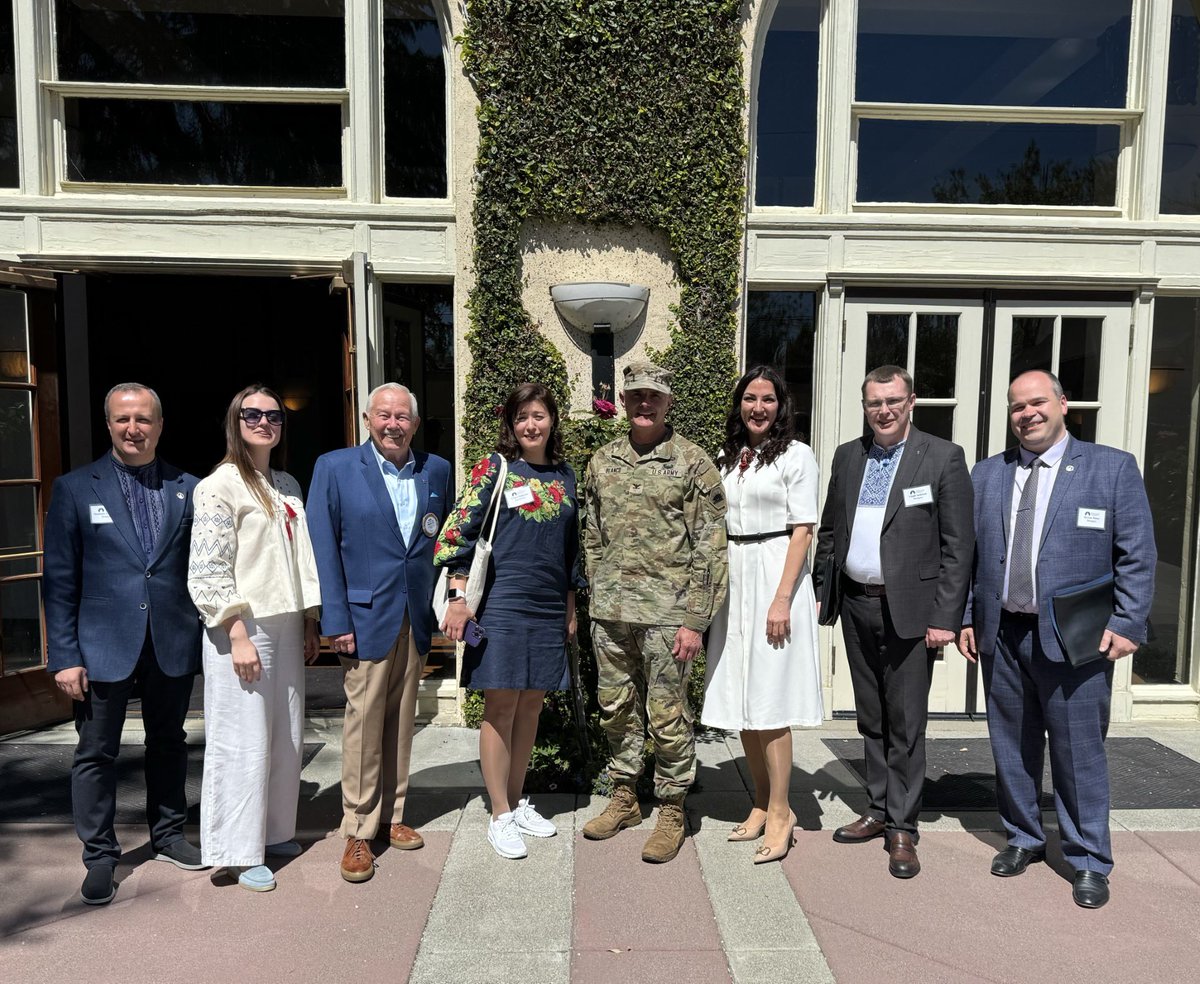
[600,310]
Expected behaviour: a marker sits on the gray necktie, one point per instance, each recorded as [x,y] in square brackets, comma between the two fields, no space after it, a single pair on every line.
[1020,578]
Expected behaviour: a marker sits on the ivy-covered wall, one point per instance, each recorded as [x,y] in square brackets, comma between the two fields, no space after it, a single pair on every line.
[606,111]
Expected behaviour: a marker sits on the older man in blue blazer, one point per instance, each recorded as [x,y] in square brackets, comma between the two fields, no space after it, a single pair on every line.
[374,512]
[120,624]
[1050,515]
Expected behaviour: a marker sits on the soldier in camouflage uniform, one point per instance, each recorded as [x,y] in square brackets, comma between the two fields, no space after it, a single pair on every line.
[655,546]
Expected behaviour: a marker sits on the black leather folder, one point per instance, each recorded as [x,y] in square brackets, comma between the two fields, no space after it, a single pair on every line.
[830,597]
[1080,616]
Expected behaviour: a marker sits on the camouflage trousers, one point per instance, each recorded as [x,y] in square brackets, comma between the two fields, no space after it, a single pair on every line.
[641,685]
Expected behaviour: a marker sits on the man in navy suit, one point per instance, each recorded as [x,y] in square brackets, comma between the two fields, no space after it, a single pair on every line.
[120,624]
[374,512]
[1052,514]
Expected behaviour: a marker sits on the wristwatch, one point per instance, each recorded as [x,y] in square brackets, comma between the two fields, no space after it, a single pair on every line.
[456,594]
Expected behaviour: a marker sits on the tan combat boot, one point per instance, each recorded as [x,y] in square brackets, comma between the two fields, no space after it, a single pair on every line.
[622,811]
[667,839]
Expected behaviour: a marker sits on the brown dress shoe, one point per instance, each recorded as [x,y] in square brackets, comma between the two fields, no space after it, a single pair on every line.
[902,855]
[358,863]
[404,838]
[865,828]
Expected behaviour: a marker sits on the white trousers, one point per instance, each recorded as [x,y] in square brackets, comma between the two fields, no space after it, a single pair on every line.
[253,736]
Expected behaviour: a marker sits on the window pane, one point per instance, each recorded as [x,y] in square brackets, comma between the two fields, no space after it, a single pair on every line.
[987,163]
[781,332]
[16,434]
[1079,357]
[8,99]
[203,42]
[20,625]
[887,340]
[938,421]
[418,338]
[1082,424]
[993,52]
[937,354]
[1171,474]
[414,101]
[1032,345]
[204,143]
[786,135]
[14,338]
[1181,139]
[18,528]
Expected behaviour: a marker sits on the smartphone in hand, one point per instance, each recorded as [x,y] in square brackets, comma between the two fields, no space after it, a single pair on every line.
[473,633]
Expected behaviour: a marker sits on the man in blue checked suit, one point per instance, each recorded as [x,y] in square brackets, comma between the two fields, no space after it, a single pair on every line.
[120,624]
[1052,514]
[374,512]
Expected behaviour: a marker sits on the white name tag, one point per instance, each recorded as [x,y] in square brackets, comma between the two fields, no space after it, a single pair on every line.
[1091,519]
[99,514]
[518,495]
[918,495]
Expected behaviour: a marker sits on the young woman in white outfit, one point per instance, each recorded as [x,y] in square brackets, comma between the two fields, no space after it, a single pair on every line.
[253,577]
[763,673]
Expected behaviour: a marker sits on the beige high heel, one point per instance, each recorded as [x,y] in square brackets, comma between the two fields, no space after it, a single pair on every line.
[767,853]
[743,833]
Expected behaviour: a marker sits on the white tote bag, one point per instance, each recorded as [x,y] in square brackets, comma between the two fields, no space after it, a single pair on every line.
[477,579]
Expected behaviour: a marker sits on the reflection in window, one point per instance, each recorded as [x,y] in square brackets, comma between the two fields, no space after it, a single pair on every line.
[18,529]
[987,163]
[20,624]
[786,134]
[414,101]
[1079,357]
[1171,472]
[1181,139]
[937,355]
[204,143]
[16,434]
[199,42]
[781,332]
[418,352]
[9,176]
[993,52]
[1032,344]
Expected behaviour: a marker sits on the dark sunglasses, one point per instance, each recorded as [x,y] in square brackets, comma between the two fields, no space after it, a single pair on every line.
[252,416]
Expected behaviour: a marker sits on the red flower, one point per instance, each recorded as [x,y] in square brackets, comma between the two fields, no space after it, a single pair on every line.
[556,492]
[464,514]
[533,505]
[450,536]
[604,409]
[498,409]
[481,469]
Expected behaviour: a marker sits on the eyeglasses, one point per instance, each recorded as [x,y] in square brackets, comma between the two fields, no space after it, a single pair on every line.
[252,416]
[893,403]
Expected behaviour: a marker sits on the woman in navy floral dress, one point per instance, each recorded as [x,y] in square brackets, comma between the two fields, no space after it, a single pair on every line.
[528,607]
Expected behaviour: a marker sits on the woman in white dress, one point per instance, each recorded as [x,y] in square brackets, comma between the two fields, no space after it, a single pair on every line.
[254,580]
[763,673]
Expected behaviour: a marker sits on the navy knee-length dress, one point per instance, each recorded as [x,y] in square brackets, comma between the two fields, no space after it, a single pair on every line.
[535,562]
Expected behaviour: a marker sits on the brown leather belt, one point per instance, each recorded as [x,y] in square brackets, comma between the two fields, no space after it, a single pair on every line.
[852,587]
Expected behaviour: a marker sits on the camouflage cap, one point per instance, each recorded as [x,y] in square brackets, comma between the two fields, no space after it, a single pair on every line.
[643,374]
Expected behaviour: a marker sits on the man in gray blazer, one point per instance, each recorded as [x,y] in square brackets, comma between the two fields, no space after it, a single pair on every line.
[1052,514]
[897,524]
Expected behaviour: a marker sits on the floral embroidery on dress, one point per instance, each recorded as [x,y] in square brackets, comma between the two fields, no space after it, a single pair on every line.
[461,528]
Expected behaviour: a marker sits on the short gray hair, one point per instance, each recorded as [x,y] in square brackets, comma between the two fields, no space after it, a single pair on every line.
[1055,383]
[395,388]
[133,388]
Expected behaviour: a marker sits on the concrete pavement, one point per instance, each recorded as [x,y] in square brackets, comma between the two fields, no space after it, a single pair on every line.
[579,911]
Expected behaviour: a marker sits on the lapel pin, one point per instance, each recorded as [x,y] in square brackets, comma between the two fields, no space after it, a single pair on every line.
[430,525]
[180,495]
[1070,467]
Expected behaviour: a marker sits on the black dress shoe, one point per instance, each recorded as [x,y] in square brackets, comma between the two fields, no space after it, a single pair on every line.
[1090,890]
[865,828]
[1014,860]
[98,887]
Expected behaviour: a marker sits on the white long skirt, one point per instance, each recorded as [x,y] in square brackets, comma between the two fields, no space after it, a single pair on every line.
[253,736]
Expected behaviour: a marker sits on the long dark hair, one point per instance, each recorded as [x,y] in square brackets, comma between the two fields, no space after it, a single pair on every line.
[507,443]
[781,434]
[238,455]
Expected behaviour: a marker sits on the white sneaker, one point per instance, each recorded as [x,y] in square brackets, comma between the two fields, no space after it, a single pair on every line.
[504,836]
[530,822]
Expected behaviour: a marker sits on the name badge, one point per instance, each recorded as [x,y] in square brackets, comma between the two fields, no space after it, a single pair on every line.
[918,495]
[430,524]
[1091,519]
[99,514]
[518,495]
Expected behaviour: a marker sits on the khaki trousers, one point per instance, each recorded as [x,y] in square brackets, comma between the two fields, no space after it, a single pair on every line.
[381,700]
